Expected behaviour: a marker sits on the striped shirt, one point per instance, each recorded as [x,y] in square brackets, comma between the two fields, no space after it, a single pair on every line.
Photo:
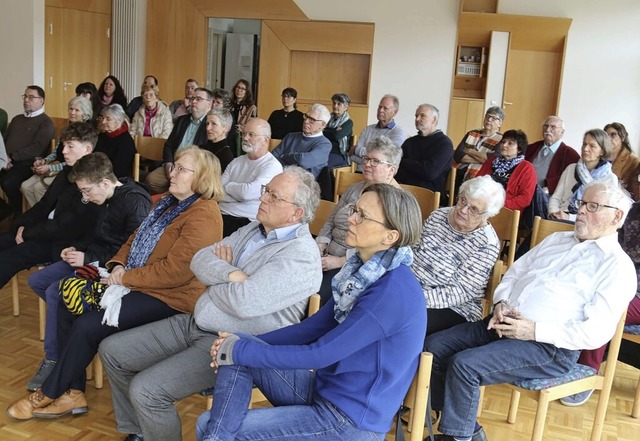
[454,267]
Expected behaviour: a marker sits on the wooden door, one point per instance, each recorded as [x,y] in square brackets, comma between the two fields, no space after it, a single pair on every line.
[531,90]
[464,115]
[53,45]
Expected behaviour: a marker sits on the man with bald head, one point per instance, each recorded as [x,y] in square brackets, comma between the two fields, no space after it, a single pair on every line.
[551,156]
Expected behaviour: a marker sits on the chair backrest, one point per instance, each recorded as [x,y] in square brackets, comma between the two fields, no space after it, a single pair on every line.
[58,125]
[273,143]
[344,180]
[494,281]
[506,225]
[148,148]
[324,210]
[417,396]
[314,304]
[544,227]
[451,185]
[427,199]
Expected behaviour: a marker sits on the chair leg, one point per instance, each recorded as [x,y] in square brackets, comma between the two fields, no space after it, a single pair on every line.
[513,406]
[541,417]
[42,314]
[16,296]
[635,412]
[89,371]
[97,372]
[480,401]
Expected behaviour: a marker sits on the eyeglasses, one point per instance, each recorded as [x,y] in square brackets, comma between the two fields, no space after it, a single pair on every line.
[199,99]
[592,207]
[613,134]
[550,126]
[374,161]
[491,118]
[87,191]
[359,216]
[462,202]
[272,197]
[250,134]
[241,88]
[313,120]
[31,97]
[286,96]
[179,169]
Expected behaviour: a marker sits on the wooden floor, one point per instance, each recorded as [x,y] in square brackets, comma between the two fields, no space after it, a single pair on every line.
[21,351]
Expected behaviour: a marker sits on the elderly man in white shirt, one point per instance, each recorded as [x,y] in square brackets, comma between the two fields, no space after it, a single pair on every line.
[566,294]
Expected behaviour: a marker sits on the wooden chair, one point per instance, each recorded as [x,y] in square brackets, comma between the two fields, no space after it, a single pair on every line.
[148,148]
[632,333]
[256,395]
[451,185]
[417,396]
[506,225]
[58,125]
[273,143]
[544,227]
[587,379]
[324,210]
[345,180]
[42,306]
[427,199]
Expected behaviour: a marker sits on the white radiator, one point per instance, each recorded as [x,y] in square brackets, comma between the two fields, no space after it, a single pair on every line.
[128,44]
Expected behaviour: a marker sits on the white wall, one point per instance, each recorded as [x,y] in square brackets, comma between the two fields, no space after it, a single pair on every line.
[414,48]
[21,51]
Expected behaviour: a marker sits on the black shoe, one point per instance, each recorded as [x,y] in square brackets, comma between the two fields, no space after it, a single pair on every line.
[478,435]
[133,437]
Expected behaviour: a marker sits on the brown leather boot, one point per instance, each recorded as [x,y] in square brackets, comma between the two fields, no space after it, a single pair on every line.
[23,409]
[72,401]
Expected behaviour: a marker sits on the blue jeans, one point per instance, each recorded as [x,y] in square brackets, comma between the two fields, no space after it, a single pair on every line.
[468,356]
[298,413]
[45,284]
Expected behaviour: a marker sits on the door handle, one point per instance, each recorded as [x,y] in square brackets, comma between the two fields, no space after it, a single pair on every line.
[65,84]
[506,103]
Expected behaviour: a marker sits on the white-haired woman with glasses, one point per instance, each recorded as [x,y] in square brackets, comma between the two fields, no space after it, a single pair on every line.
[380,165]
[363,345]
[456,253]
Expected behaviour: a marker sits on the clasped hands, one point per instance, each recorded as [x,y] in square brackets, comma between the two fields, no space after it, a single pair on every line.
[215,347]
[510,323]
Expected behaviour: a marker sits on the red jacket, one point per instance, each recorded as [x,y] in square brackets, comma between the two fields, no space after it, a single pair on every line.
[520,187]
[564,156]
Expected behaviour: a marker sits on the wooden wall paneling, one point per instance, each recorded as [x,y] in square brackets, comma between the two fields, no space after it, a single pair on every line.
[304,74]
[53,53]
[99,6]
[176,45]
[274,71]
[259,10]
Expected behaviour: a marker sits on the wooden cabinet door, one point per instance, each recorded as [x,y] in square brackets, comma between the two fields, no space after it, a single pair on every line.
[464,115]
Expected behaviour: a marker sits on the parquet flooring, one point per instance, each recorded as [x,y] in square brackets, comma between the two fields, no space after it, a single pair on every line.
[21,351]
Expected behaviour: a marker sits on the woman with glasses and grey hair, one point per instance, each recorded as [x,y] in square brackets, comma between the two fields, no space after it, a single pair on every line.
[456,253]
[380,163]
[363,346]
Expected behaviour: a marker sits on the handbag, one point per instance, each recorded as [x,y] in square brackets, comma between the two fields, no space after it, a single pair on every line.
[82,291]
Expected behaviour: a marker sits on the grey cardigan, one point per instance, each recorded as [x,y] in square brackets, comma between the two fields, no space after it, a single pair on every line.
[282,276]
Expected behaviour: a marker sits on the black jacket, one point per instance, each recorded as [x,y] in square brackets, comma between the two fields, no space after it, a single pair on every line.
[175,138]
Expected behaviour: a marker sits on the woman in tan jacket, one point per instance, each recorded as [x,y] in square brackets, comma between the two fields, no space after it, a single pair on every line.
[154,265]
[153,118]
[625,164]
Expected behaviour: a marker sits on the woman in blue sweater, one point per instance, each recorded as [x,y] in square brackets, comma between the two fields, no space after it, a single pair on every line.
[363,345]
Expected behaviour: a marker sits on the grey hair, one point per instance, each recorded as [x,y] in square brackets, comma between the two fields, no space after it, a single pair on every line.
[85,106]
[307,195]
[223,114]
[324,113]
[396,101]
[615,194]
[434,110]
[488,189]
[401,211]
[554,117]
[116,111]
[497,111]
[263,126]
[223,95]
[603,139]
[384,145]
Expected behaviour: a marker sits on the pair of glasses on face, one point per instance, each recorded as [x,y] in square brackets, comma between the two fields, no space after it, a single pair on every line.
[592,207]
[312,120]
[250,135]
[271,197]
[491,118]
[87,191]
[474,211]
[199,99]
[359,216]
[30,97]
[179,169]
[374,161]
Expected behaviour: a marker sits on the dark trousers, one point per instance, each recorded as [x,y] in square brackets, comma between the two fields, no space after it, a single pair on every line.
[326,293]
[231,223]
[79,338]
[11,181]
[441,319]
[14,258]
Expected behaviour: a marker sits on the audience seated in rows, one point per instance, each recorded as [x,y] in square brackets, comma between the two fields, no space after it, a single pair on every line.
[135,104]
[246,176]
[308,149]
[39,234]
[509,168]
[188,130]
[125,204]
[624,164]
[339,130]
[183,106]
[115,140]
[28,136]
[457,250]
[593,165]
[564,295]
[289,118]
[219,123]
[45,169]
[386,125]
[153,117]
[363,346]
[257,280]
[427,156]
[154,265]
[380,163]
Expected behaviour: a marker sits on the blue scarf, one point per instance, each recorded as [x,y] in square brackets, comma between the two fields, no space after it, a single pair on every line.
[502,168]
[355,277]
[583,177]
[153,226]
